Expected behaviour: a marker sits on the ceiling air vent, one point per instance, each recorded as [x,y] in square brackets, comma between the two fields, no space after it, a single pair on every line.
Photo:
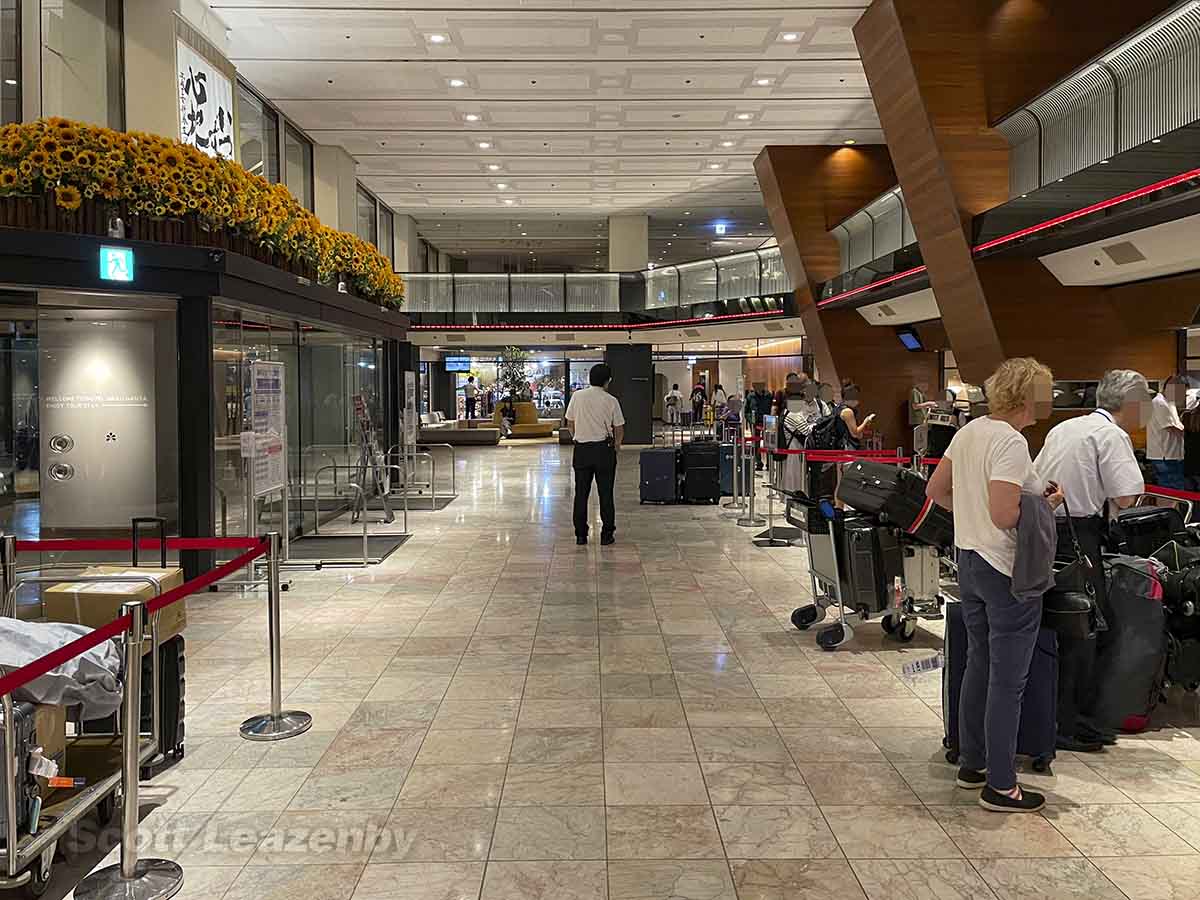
[691,332]
[886,310]
[1124,253]
[565,336]
[456,339]
[772,326]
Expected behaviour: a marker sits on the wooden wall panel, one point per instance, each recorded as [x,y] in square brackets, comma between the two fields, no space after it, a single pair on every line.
[771,370]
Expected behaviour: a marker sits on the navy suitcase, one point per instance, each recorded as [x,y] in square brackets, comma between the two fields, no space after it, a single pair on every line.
[659,475]
[872,559]
[1038,732]
[727,472]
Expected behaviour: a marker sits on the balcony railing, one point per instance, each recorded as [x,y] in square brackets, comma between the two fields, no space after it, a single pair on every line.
[655,293]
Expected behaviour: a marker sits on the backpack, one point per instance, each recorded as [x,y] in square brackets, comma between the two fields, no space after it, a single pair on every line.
[828,432]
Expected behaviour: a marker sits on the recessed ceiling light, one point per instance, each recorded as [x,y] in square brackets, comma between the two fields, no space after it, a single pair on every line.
[674,235]
[524,234]
[11,82]
[510,201]
[484,145]
[471,117]
[687,213]
[1104,162]
[501,186]
[790,36]
[1155,141]
[849,142]
[763,82]
[714,165]
[762,223]
[743,116]
[726,143]
[437,39]
[457,82]
[492,167]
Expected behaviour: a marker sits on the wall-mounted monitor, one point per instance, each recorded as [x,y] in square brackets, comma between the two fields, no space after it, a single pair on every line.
[909,338]
[458,364]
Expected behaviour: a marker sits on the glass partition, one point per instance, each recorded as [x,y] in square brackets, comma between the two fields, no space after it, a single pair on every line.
[662,288]
[258,135]
[594,293]
[298,166]
[368,223]
[10,61]
[428,293]
[387,245]
[481,293]
[697,282]
[537,293]
[738,276]
[82,61]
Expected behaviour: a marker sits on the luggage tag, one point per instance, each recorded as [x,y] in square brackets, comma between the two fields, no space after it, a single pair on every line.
[921,666]
[40,766]
[67,783]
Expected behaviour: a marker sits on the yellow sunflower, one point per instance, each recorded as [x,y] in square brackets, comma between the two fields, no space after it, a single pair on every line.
[50,146]
[88,159]
[39,158]
[142,170]
[66,156]
[9,178]
[51,170]
[68,135]
[171,158]
[160,210]
[68,197]
[176,206]
[108,186]
[26,167]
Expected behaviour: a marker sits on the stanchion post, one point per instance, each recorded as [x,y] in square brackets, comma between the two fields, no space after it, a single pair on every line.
[737,502]
[750,520]
[146,879]
[277,724]
[8,570]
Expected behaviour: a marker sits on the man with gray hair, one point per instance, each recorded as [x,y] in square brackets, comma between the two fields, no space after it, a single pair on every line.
[1091,458]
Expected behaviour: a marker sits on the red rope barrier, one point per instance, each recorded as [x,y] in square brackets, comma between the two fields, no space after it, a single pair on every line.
[55,658]
[1172,493]
[110,545]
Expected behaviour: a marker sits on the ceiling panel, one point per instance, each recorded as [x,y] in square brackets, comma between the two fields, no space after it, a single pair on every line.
[581,108]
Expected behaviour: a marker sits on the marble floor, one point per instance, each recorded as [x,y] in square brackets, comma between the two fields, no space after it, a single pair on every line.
[501,715]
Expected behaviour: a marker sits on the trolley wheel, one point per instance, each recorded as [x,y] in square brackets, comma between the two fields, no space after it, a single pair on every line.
[106,810]
[952,757]
[39,876]
[864,613]
[907,631]
[888,623]
[834,636]
[1041,765]
[805,616]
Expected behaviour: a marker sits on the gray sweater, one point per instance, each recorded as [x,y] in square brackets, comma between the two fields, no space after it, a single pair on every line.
[1037,544]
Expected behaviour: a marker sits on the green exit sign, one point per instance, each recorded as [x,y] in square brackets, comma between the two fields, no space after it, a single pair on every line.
[116,263]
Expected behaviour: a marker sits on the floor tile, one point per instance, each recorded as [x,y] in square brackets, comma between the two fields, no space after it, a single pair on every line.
[830,742]
[557,745]
[775,832]
[692,879]
[663,832]
[654,783]
[1046,879]
[888,832]
[473,745]
[435,835]
[1126,830]
[920,879]
[537,713]
[1154,877]
[325,837]
[317,882]
[739,745]
[420,881]
[980,834]
[648,745]
[545,880]
[795,879]
[550,832]
[366,789]
[643,714]
[753,784]
[554,784]
[429,786]
[856,783]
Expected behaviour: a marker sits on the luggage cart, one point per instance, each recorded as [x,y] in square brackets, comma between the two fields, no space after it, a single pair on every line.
[827,585]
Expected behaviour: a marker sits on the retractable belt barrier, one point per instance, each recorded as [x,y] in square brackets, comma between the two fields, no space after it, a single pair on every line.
[1174,494]
[148,878]
[886,457]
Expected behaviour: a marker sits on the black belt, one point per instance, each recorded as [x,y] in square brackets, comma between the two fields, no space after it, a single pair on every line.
[590,443]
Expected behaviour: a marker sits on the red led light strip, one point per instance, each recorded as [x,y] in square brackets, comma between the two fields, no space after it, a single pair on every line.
[1031,230]
[594,327]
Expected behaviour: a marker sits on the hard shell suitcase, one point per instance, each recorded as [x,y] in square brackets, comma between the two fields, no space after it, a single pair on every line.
[1038,731]
[26,787]
[701,477]
[897,495]
[727,472]
[1143,530]
[659,475]
[871,560]
[173,670]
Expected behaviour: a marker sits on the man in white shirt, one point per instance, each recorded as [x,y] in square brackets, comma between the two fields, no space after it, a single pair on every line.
[672,402]
[594,418]
[471,393]
[1091,458]
[1164,434]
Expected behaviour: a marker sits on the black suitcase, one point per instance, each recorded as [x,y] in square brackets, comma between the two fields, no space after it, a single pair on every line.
[701,476]
[27,786]
[1038,731]
[897,495]
[659,475]
[727,472]
[173,671]
[871,559]
[1143,530]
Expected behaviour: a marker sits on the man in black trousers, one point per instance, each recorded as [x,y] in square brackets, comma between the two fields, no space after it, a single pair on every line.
[594,419]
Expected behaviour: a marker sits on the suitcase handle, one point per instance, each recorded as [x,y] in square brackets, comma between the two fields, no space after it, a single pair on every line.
[156,521]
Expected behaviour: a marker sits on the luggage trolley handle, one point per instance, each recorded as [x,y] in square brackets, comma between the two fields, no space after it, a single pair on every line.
[161,524]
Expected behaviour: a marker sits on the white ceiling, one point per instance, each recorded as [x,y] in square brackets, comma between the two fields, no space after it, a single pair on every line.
[590,108]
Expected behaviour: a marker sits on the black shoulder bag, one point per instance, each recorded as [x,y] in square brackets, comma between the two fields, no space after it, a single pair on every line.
[1070,606]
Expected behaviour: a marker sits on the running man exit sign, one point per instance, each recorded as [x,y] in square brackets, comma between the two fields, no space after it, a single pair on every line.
[116,263]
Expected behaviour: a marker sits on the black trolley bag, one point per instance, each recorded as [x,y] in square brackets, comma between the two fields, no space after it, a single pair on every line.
[1144,530]
[659,475]
[701,472]
[872,559]
[1037,734]
[897,495]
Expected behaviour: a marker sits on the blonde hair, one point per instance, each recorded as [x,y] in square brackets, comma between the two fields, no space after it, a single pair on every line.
[1009,387]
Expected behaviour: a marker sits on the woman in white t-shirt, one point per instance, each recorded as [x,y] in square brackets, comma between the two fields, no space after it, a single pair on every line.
[981,477]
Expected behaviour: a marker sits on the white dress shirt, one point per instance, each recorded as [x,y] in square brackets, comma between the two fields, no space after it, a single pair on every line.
[1164,434]
[1091,458]
[595,413]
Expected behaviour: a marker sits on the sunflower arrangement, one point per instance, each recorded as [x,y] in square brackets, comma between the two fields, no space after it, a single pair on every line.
[158,177]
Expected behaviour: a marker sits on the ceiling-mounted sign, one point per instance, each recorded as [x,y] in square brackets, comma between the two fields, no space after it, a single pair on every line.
[116,263]
[205,103]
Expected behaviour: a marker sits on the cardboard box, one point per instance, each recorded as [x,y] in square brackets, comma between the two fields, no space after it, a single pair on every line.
[97,603]
[50,727]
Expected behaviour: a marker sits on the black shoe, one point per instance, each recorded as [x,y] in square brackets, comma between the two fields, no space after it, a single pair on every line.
[1077,745]
[993,800]
[580,542]
[970,779]
[607,540]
